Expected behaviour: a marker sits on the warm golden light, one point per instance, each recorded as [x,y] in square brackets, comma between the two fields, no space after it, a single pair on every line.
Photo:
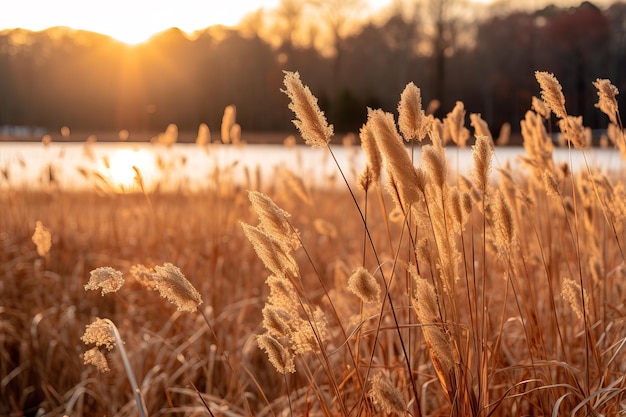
[121,172]
[131,22]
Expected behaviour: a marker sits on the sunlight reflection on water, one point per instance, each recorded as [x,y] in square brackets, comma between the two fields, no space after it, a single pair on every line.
[190,167]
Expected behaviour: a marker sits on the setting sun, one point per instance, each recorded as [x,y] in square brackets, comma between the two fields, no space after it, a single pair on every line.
[135,21]
[131,22]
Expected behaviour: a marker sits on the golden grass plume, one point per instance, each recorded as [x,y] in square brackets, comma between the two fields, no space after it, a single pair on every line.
[42,238]
[364,285]
[310,120]
[552,93]
[172,285]
[106,279]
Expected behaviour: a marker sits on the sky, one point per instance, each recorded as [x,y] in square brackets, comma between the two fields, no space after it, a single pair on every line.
[132,21]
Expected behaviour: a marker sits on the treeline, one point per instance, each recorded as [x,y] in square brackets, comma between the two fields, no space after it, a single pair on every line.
[61,77]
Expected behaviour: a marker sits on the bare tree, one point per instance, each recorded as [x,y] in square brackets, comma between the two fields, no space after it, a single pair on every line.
[339,16]
[289,17]
[445,17]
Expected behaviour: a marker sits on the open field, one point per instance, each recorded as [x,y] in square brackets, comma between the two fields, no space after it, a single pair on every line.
[414,291]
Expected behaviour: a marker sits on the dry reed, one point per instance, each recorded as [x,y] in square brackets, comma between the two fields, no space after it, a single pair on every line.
[477,344]
[310,120]
[42,238]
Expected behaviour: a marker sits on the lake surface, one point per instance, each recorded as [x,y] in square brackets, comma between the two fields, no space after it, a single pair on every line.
[75,165]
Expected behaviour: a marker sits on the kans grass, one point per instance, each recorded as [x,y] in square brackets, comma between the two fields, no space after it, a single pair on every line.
[412,290]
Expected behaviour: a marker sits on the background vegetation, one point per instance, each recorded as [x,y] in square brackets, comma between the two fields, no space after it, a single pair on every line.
[454,50]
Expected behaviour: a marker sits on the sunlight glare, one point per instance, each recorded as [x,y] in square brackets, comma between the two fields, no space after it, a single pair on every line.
[121,172]
[131,22]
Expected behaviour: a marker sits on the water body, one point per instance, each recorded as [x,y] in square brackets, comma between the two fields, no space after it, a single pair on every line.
[76,166]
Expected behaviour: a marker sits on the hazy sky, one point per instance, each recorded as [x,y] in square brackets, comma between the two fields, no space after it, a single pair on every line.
[132,20]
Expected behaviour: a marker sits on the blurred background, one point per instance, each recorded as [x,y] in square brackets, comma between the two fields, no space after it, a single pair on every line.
[353,54]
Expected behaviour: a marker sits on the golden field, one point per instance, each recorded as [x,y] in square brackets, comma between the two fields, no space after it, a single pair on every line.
[413,290]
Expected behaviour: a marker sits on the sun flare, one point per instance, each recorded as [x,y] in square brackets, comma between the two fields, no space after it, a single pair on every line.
[121,168]
[131,22]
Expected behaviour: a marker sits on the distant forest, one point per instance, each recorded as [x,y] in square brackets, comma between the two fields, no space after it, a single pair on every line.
[61,77]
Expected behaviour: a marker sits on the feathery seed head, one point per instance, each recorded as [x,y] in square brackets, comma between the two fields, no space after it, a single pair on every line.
[504,222]
[505,134]
[143,275]
[273,219]
[425,302]
[265,247]
[574,131]
[396,158]
[282,293]
[426,307]
[552,93]
[571,292]
[279,356]
[551,185]
[366,179]
[297,186]
[441,350]
[42,238]
[228,121]
[276,320]
[436,164]
[204,135]
[607,102]
[372,153]
[453,204]
[481,128]
[539,106]
[99,333]
[363,284]
[106,279]
[310,120]
[482,152]
[310,333]
[325,228]
[387,396]
[412,119]
[454,123]
[94,357]
[467,203]
[172,284]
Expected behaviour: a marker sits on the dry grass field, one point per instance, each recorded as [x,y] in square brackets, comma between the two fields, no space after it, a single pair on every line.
[412,291]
